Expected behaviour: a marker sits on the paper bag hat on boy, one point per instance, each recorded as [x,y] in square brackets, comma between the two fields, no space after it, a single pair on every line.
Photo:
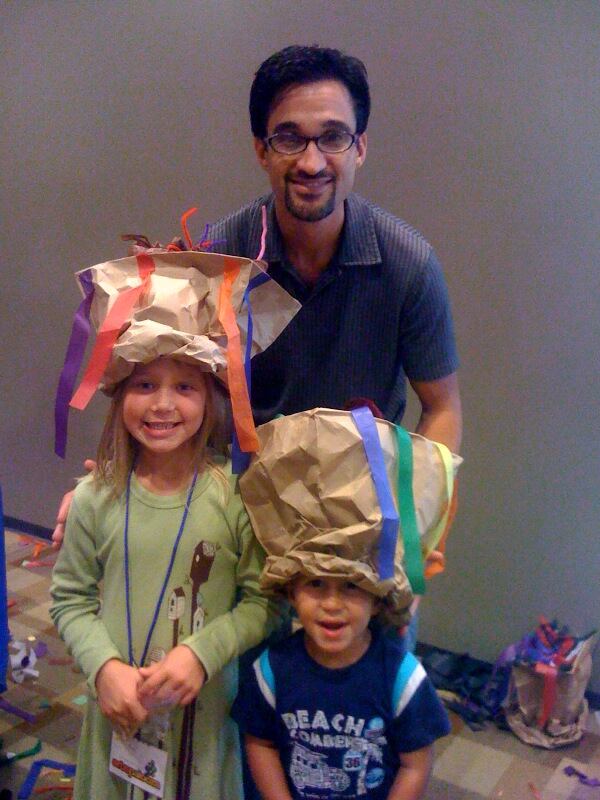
[339,493]
[215,310]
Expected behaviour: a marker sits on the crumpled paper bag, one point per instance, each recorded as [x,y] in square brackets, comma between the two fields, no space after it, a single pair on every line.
[567,720]
[313,504]
[181,304]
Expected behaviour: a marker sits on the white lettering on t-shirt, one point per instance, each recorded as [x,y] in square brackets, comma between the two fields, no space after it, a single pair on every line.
[302,717]
[320,721]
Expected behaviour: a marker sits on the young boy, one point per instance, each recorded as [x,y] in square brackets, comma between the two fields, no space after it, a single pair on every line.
[339,709]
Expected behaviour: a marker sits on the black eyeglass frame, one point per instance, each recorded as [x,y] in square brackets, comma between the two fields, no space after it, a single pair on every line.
[268,142]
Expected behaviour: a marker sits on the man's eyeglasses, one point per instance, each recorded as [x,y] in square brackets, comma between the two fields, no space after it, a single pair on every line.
[290,144]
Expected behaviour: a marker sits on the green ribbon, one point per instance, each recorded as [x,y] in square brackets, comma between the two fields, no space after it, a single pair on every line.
[32,751]
[413,556]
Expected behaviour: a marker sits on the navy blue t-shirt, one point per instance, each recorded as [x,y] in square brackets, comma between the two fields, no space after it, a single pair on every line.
[339,731]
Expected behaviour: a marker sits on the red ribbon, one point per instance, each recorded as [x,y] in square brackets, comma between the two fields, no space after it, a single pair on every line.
[108,333]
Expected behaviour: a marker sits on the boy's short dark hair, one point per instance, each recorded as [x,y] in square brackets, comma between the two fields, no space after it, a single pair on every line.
[298,64]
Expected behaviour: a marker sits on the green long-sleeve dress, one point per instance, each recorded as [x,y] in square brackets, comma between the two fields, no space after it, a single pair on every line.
[212,604]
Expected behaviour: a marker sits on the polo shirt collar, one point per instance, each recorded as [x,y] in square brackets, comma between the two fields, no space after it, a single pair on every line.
[359,241]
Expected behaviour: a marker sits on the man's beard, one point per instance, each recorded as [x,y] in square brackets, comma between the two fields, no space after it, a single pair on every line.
[308,212]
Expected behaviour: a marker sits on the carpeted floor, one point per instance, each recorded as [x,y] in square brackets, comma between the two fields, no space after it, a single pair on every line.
[469,765]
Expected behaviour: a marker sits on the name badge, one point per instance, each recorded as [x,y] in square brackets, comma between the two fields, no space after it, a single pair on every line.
[139,763]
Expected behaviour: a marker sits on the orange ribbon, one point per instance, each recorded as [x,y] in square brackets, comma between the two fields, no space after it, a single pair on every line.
[108,333]
[236,379]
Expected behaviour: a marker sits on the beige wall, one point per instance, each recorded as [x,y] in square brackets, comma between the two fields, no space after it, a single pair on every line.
[119,116]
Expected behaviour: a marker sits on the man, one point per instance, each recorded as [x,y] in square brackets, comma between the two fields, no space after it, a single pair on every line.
[375,308]
[374,303]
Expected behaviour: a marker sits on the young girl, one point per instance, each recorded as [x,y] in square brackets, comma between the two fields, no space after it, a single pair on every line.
[161,523]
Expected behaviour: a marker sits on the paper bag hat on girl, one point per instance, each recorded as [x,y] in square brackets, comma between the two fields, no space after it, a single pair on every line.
[340,493]
[211,309]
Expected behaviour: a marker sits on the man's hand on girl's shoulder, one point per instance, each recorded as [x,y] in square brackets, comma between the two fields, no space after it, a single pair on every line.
[58,534]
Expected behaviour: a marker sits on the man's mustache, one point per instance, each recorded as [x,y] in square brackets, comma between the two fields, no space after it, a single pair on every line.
[309,176]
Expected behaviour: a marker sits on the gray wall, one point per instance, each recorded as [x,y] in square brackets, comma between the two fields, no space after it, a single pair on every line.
[119,116]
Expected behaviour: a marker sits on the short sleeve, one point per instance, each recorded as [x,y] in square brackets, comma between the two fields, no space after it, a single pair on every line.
[419,716]
[254,707]
[427,336]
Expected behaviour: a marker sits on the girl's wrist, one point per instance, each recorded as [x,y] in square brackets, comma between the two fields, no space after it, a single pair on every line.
[104,669]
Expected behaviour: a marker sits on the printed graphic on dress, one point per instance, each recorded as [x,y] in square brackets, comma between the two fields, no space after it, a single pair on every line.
[202,561]
[176,610]
[185,600]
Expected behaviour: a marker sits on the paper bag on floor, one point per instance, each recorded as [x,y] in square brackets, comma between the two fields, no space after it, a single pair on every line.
[531,699]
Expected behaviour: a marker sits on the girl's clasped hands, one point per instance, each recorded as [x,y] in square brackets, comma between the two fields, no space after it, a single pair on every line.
[127,695]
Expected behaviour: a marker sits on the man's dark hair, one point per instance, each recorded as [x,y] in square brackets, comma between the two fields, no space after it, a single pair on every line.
[296,65]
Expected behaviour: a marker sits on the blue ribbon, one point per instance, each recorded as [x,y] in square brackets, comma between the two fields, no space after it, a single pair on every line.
[365,423]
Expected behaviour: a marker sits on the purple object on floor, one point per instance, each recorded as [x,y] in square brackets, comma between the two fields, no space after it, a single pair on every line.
[583,778]
[18,712]
[40,649]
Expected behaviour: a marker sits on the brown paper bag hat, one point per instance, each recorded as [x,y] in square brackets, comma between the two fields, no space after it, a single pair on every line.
[211,309]
[339,493]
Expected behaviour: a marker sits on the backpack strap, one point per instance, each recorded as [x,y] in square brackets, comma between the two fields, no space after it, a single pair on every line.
[409,677]
[265,677]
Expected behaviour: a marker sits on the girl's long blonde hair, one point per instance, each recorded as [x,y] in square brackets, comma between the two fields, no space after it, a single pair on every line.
[117,449]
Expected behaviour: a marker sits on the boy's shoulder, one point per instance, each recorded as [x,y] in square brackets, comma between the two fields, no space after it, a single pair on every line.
[386,657]
[386,665]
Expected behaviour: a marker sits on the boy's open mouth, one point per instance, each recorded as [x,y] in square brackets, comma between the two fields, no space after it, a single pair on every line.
[332,626]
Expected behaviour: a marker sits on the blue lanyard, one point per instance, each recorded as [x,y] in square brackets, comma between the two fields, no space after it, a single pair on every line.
[167,576]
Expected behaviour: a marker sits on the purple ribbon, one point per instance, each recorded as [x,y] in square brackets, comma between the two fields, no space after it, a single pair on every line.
[80,333]
[581,776]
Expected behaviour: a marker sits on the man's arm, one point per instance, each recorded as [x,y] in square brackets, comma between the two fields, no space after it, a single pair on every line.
[441,414]
[267,770]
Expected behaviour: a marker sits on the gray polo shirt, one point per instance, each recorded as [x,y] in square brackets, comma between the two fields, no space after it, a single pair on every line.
[379,313]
